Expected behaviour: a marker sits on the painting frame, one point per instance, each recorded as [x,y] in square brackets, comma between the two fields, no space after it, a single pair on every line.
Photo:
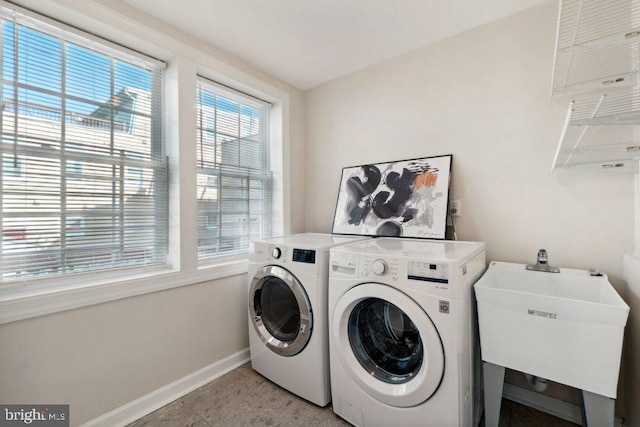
[400,198]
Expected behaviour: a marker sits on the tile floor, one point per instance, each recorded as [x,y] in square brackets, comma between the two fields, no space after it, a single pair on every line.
[244,398]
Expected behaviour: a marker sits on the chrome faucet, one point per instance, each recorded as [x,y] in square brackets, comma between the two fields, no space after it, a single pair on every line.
[543,263]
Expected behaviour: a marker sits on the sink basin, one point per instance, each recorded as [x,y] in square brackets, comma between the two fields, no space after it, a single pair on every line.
[567,327]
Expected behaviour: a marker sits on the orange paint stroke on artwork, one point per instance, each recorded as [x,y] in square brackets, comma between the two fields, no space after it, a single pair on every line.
[426,179]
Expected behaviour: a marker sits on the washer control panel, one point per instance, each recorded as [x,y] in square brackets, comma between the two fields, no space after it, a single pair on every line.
[304,255]
[372,266]
[280,254]
[428,272]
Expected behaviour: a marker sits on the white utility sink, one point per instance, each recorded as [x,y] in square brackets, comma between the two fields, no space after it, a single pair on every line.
[566,327]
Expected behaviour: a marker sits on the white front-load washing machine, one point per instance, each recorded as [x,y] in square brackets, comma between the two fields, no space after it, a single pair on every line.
[288,323]
[403,338]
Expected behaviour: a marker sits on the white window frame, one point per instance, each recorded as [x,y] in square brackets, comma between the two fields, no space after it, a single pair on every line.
[185,60]
[66,155]
[263,176]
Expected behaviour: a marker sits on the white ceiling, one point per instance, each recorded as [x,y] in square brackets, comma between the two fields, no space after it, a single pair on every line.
[308,42]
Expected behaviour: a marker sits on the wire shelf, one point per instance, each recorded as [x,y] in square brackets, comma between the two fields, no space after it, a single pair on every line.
[597,45]
[602,130]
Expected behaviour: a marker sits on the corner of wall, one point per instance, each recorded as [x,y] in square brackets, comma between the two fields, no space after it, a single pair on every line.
[632,344]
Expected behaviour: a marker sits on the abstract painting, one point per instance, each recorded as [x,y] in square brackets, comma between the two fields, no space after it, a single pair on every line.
[406,198]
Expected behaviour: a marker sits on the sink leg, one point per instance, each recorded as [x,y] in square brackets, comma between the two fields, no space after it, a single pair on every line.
[597,410]
[493,383]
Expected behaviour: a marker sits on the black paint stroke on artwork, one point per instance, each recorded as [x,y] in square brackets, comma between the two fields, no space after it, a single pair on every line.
[420,166]
[359,193]
[390,229]
[386,207]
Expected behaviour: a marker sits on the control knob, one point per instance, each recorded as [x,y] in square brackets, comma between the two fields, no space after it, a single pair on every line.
[379,267]
[276,253]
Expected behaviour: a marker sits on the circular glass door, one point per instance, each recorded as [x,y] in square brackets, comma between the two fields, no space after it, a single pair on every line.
[280,310]
[388,344]
[385,341]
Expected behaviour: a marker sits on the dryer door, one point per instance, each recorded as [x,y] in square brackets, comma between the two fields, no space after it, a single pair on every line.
[388,344]
[280,310]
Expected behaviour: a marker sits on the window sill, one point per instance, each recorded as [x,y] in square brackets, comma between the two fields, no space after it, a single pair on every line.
[30,303]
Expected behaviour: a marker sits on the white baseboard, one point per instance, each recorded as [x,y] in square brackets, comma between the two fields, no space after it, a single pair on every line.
[550,405]
[148,403]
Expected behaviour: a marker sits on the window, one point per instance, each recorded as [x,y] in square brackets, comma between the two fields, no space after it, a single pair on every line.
[82,118]
[11,166]
[234,177]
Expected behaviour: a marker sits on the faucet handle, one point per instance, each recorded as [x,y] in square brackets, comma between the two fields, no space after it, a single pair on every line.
[542,256]
[543,263]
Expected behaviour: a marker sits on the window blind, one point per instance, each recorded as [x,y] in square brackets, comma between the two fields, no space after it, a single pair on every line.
[83,171]
[234,176]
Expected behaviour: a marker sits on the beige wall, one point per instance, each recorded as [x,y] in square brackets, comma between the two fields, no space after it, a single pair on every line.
[483,96]
[101,357]
[297,165]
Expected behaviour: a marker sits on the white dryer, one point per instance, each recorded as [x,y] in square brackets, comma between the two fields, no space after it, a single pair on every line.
[402,332]
[288,322]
